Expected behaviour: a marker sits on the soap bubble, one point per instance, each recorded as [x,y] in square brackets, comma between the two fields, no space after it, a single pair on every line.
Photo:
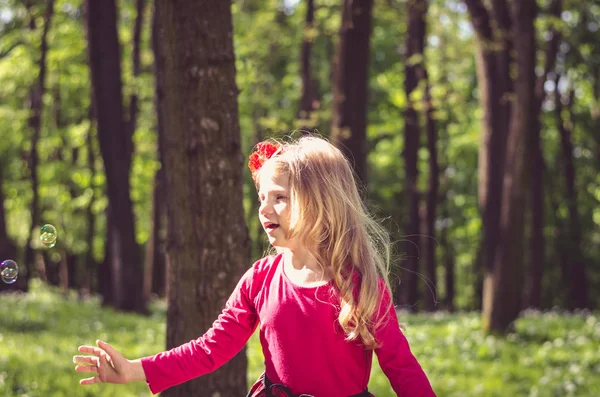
[9,270]
[48,235]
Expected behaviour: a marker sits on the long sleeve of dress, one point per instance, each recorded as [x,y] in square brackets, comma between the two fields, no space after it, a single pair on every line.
[395,358]
[227,337]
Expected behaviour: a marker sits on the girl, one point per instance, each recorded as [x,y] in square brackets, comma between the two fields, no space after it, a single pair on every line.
[322,299]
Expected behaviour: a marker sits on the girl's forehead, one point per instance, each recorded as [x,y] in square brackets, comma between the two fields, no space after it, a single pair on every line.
[269,179]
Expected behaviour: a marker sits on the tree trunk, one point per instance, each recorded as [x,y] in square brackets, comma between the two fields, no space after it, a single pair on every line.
[36,105]
[415,43]
[502,284]
[90,271]
[136,65]
[155,257]
[538,242]
[449,265]
[207,243]
[156,251]
[350,84]
[577,281]
[431,200]
[8,249]
[116,147]
[495,87]
[308,99]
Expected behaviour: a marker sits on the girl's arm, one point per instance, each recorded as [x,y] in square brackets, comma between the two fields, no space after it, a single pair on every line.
[395,358]
[225,339]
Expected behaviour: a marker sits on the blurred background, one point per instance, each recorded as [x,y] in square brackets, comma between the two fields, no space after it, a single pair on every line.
[473,127]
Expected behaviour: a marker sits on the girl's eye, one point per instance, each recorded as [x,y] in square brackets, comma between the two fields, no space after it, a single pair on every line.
[280,197]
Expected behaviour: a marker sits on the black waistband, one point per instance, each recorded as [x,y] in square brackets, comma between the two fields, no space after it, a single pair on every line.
[277,390]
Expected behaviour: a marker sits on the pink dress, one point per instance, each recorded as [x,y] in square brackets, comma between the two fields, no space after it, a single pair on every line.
[302,342]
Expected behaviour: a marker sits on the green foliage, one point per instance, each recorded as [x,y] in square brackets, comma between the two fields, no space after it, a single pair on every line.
[267,39]
[548,354]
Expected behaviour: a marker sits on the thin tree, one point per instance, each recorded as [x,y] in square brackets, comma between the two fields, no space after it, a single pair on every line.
[496,88]
[350,84]
[538,242]
[89,268]
[413,71]
[575,271]
[8,249]
[36,104]
[308,98]
[431,200]
[116,147]
[207,238]
[504,148]
[156,261]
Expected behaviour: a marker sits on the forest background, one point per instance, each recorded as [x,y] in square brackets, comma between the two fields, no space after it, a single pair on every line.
[474,127]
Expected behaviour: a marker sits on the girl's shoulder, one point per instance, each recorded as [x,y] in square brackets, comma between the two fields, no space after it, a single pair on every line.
[267,264]
[264,269]
[261,273]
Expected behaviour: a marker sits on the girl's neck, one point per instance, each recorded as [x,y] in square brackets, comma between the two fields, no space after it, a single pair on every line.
[302,261]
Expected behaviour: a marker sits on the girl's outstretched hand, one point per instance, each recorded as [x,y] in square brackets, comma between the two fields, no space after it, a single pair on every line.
[108,365]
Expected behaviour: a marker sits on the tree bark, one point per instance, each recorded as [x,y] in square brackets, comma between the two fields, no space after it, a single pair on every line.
[415,43]
[495,87]
[8,249]
[36,105]
[576,277]
[538,242]
[156,261]
[308,98]
[449,264]
[116,149]
[140,6]
[502,284]
[350,84]
[207,243]
[90,270]
[430,259]
[159,258]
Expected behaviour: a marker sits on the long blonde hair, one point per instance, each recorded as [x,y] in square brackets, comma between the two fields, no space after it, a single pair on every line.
[330,218]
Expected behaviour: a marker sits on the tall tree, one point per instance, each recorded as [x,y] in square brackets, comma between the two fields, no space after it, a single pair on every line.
[116,147]
[156,261]
[433,183]
[207,239]
[576,278]
[36,103]
[502,300]
[8,249]
[414,47]
[492,28]
[308,98]
[431,201]
[537,243]
[140,6]
[89,275]
[350,88]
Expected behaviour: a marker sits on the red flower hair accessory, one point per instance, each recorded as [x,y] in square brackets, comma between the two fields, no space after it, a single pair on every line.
[264,151]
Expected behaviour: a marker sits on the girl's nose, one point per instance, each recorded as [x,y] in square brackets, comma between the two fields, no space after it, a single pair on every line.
[265,208]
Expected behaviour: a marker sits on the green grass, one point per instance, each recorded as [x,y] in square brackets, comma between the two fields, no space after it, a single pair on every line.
[550,354]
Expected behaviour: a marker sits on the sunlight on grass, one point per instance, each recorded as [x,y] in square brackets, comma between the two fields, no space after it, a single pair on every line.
[550,354]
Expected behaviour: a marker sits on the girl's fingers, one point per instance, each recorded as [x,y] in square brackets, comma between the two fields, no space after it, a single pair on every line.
[90,350]
[90,381]
[107,348]
[85,360]
[86,368]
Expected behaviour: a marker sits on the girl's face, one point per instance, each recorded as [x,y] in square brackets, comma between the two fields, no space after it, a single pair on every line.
[274,209]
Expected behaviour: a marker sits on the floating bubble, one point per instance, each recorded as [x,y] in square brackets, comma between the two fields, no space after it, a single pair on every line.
[9,270]
[48,235]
